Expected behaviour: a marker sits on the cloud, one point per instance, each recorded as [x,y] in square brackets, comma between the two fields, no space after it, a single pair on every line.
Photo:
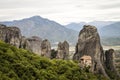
[110,6]
[62,11]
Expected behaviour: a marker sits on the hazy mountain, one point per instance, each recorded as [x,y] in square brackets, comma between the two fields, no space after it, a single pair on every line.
[76,26]
[98,24]
[112,30]
[44,28]
[110,34]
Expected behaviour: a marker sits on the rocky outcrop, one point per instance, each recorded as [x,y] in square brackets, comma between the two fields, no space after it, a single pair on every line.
[89,44]
[10,35]
[110,63]
[22,42]
[46,48]
[32,44]
[63,50]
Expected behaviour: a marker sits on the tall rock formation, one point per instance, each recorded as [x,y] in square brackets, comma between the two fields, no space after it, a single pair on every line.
[46,48]
[11,35]
[63,50]
[110,63]
[32,44]
[89,44]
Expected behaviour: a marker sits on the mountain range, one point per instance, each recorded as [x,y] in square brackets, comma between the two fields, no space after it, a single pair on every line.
[98,24]
[55,32]
[44,28]
[112,30]
[110,34]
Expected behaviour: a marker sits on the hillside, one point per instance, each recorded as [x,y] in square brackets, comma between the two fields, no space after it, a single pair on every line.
[19,64]
[44,28]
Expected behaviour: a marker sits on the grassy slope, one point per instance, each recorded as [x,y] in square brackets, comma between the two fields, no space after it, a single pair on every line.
[19,64]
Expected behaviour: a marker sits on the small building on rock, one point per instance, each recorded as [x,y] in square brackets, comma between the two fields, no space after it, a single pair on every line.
[85,61]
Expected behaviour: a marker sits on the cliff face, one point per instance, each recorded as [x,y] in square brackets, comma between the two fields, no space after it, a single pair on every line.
[110,63]
[89,44]
[63,50]
[32,44]
[10,35]
[46,48]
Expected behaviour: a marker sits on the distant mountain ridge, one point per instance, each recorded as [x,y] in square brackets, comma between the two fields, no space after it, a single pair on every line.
[55,32]
[98,24]
[44,28]
[112,30]
[110,34]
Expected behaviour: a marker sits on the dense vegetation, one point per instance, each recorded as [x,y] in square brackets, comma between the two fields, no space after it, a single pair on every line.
[20,64]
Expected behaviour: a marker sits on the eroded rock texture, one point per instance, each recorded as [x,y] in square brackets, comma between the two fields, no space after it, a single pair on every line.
[32,44]
[63,50]
[89,44]
[11,35]
[46,48]
[110,63]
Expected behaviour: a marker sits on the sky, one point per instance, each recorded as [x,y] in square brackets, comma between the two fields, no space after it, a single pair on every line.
[61,11]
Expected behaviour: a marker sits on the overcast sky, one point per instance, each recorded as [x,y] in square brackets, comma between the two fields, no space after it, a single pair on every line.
[62,11]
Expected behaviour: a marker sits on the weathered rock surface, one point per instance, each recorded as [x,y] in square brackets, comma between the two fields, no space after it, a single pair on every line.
[32,44]
[110,63]
[46,48]
[89,44]
[63,50]
[10,35]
